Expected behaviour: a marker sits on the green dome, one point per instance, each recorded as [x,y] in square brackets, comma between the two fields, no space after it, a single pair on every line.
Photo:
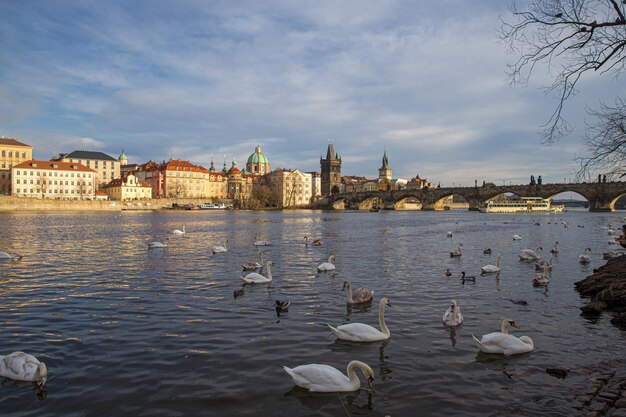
[123,156]
[258,157]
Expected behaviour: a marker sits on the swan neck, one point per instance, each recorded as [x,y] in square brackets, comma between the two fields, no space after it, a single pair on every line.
[354,379]
[505,327]
[350,294]
[498,261]
[381,318]
[268,266]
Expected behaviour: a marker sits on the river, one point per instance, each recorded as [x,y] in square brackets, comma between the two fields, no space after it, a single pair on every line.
[127,331]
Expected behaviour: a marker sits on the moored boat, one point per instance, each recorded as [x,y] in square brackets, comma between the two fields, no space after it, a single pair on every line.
[522,205]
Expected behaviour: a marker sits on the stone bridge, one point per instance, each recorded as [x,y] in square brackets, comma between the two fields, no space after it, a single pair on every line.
[601,196]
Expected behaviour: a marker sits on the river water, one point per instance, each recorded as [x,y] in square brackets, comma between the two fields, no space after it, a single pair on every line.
[129,331]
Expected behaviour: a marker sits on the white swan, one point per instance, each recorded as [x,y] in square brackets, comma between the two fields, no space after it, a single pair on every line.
[504,343]
[611,231]
[327,266]
[21,366]
[585,258]
[449,233]
[555,248]
[258,242]
[541,278]
[453,317]
[155,245]
[491,269]
[360,332]
[457,252]
[179,232]
[256,278]
[529,254]
[220,249]
[5,255]
[517,237]
[325,378]
[359,296]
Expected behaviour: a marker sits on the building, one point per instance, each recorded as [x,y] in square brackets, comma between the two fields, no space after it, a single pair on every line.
[384,172]
[352,184]
[53,179]
[292,188]
[316,184]
[331,172]
[107,168]
[178,178]
[417,183]
[258,164]
[240,183]
[127,188]
[12,152]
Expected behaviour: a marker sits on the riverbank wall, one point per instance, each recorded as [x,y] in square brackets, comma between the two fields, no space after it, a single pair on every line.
[10,203]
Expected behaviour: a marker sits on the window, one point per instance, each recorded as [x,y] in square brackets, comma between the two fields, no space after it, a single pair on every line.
[17,181]
[4,153]
[11,156]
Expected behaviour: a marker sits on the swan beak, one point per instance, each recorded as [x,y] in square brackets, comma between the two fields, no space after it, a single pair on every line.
[513,324]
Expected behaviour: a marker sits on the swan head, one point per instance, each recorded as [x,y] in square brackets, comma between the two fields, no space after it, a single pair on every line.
[346,284]
[385,302]
[453,305]
[41,374]
[367,371]
[507,324]
[331,258]
[462,274]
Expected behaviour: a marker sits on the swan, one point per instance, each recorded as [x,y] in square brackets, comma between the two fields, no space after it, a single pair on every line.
[503,342]
[258,242]
[256,278]
[614,241]
[155,245]
[540,264]
[585,258]
[517,237]
[21,366]
[541,278]
[253,265]
[4,255]
[453,317]
[610,255]
[611,231]
[490,269]
[449,233]
[325,378]
[529,254]
[448,273]
[457,252]
[555,247]
[220,249]
[487,251]
[179,232]
[327,266]
[360,332]
[359,296]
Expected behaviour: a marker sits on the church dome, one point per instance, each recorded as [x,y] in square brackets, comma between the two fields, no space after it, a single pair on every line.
[233,169]
[122,157]
[258,157]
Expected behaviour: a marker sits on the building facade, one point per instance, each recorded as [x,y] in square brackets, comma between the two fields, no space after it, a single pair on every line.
[53,179]
[330,172]
[12,152]
[127,188]
[107,168]
[292,188]
[258,164]
[316,184]
[384,172]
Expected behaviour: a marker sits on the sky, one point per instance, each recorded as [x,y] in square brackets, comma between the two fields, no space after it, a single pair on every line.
[196,80]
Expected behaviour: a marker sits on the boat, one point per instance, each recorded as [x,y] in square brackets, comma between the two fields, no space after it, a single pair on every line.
[375,208]
[521,205]
[213,206]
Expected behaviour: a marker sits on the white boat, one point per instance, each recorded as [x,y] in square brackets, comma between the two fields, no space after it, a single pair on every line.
[522,205]
[213,206]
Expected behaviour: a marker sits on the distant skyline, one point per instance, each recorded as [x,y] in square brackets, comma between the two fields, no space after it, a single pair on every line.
[190,79]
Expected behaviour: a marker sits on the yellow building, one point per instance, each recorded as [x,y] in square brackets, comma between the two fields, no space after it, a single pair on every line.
[53,179]
[12,152]
[128,188]
[107,168]
[292,188]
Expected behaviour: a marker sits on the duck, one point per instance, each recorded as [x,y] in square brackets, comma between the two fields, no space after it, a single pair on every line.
[179,232]
[585,258]
[5,255]
[316,242]
[517,237]
[282,306]
[254,265]
[256,278]
[541,278]
[448,273]
[327,266]
[529,254]
[457,252]
[504,343]
[220,249]
[487,251]
[360,332]
[324,378]
[555,248]
[155,245]
[449,233]
[258,242]
[21,366]
[238,293]
[453,317]
[491,269]
[464,278]
[358,296]
[540,264]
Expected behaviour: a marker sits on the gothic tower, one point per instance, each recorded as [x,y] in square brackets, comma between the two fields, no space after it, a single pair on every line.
[331,172]
[384,172]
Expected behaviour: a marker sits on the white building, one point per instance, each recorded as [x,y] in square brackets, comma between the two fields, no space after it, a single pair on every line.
[53,179]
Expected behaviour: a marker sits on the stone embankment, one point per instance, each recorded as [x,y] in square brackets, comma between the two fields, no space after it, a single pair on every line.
[9,203]
[605,395]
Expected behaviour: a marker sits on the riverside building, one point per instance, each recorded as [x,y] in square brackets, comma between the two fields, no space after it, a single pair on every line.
[53,179]
[293,188]
[107,168]
[12,152]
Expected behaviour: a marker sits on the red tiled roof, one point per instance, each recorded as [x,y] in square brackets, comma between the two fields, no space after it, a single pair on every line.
[61,166]
[100,193]
[12,142]
[178,165]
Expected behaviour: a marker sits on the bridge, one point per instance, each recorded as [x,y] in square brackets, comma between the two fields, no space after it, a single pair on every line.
[601,196]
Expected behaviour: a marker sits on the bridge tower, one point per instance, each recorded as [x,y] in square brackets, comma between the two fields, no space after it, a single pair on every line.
[331,172]
[384,172]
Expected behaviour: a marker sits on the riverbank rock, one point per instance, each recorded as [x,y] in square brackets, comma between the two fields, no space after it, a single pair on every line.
[606,288]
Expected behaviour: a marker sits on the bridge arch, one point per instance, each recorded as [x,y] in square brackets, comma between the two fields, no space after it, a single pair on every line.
[408,202]
[371,201]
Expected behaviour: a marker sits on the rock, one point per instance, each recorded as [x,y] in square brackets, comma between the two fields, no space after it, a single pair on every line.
[593,414]
[602,407]
[620,412]
[619,321]
[594,308]
[621,403]
[558,372]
